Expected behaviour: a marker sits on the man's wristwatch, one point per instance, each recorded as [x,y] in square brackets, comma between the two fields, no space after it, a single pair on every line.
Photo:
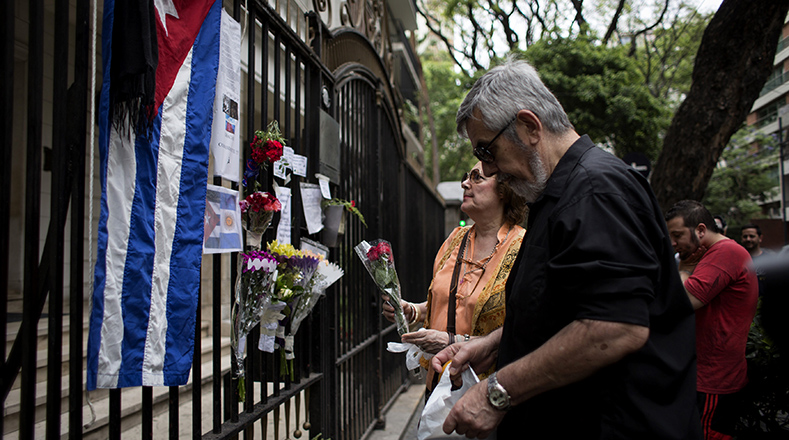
[497,395]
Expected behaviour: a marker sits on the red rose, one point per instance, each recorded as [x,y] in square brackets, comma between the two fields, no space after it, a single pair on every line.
[258,155]
[273,150]
[384,248]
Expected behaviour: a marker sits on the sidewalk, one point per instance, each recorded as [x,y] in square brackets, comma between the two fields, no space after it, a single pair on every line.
[403,415]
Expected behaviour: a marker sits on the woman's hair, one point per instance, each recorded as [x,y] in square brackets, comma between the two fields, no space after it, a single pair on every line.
[515,208]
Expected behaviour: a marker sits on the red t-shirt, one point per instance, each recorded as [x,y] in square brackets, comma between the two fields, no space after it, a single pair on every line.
[727,285]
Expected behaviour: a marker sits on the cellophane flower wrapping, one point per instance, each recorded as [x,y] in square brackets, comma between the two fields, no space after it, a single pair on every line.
[378,259]
[294,273]
[254,287]
[257,211]
[325,275]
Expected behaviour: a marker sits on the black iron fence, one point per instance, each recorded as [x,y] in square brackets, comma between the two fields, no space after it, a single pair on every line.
[344,379]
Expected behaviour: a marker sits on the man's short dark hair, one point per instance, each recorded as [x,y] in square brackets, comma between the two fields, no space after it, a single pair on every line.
[693,213]
[753,226]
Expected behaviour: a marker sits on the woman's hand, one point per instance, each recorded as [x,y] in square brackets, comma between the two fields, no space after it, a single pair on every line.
[388,310]
[409,309]
[430,341]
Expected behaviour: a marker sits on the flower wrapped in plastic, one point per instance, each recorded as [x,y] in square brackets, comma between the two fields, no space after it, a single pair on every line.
[294,273]
[378,259]
[325,275]
[254,287]
[257,210]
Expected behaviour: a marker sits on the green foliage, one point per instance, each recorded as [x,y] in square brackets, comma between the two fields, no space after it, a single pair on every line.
[741,180]
[603,93]
[665,55]
[447,89]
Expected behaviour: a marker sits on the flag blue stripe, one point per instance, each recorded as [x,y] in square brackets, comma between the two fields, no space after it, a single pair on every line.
[185,278]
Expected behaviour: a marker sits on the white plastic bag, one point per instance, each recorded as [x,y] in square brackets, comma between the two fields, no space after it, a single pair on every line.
[413,352]
[440,403]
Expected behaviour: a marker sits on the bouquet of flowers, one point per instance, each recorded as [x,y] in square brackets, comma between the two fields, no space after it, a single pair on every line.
[295,271]
[253,290]
[267,147]
[257,210]
[379,262]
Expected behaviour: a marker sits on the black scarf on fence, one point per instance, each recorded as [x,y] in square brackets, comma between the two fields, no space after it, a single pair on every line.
[135,56]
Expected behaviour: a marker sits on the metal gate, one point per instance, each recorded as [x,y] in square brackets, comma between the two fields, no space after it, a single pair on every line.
[344,377]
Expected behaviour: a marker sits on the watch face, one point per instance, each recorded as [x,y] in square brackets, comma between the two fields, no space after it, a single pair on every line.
[498,398]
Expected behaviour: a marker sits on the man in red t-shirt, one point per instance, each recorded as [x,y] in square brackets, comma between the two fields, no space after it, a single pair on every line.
[723,289]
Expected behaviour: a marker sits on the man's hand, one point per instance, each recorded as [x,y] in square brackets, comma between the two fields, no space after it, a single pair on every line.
[480,353]
[689,264]
[431,341]
[472,415]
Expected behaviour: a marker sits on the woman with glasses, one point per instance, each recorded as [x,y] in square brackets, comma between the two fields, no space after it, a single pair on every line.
[466,297]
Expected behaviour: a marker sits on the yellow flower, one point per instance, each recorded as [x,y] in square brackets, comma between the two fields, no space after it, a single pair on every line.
[286,250]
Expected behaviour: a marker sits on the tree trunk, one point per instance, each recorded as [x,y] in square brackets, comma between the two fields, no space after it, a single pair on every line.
[734,60]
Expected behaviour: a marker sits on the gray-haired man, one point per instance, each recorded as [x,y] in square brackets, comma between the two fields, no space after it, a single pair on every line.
[598,338]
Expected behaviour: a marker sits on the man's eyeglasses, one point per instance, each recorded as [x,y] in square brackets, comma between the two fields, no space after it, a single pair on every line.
[474,176]
[483,152]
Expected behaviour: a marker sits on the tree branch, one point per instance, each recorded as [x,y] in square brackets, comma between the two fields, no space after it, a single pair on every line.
[429,19]
[648,28]
[614,22]
[579,16]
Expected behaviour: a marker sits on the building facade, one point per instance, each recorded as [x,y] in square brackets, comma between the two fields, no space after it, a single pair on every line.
[344,64]
[770,114]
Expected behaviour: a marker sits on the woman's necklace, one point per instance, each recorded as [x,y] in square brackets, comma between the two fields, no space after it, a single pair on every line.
[469,263]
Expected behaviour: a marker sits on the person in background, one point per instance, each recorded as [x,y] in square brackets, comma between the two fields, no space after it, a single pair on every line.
[751,237]
[721,224]
[722,287]
[476,261]
[597,341]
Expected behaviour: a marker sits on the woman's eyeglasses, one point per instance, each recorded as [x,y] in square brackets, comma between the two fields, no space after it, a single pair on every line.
[483,152]
[474,176]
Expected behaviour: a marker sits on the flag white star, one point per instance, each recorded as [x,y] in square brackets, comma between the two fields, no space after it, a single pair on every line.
[165,7]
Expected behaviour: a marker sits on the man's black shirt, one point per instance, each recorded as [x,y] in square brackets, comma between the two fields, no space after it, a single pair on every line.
[597,248]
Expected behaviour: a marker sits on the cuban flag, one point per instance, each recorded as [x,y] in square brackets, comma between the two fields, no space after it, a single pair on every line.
[153,189]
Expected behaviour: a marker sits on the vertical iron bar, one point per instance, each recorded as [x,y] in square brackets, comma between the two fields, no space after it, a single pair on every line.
[115,414]
[216,332]
[287,103]
[277,77]
[297,108]
[174,403]
[197,371]
[379,390]
[264,59]
[57,215]
[76,274]
[29,331]
[7,122]
[146,413]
